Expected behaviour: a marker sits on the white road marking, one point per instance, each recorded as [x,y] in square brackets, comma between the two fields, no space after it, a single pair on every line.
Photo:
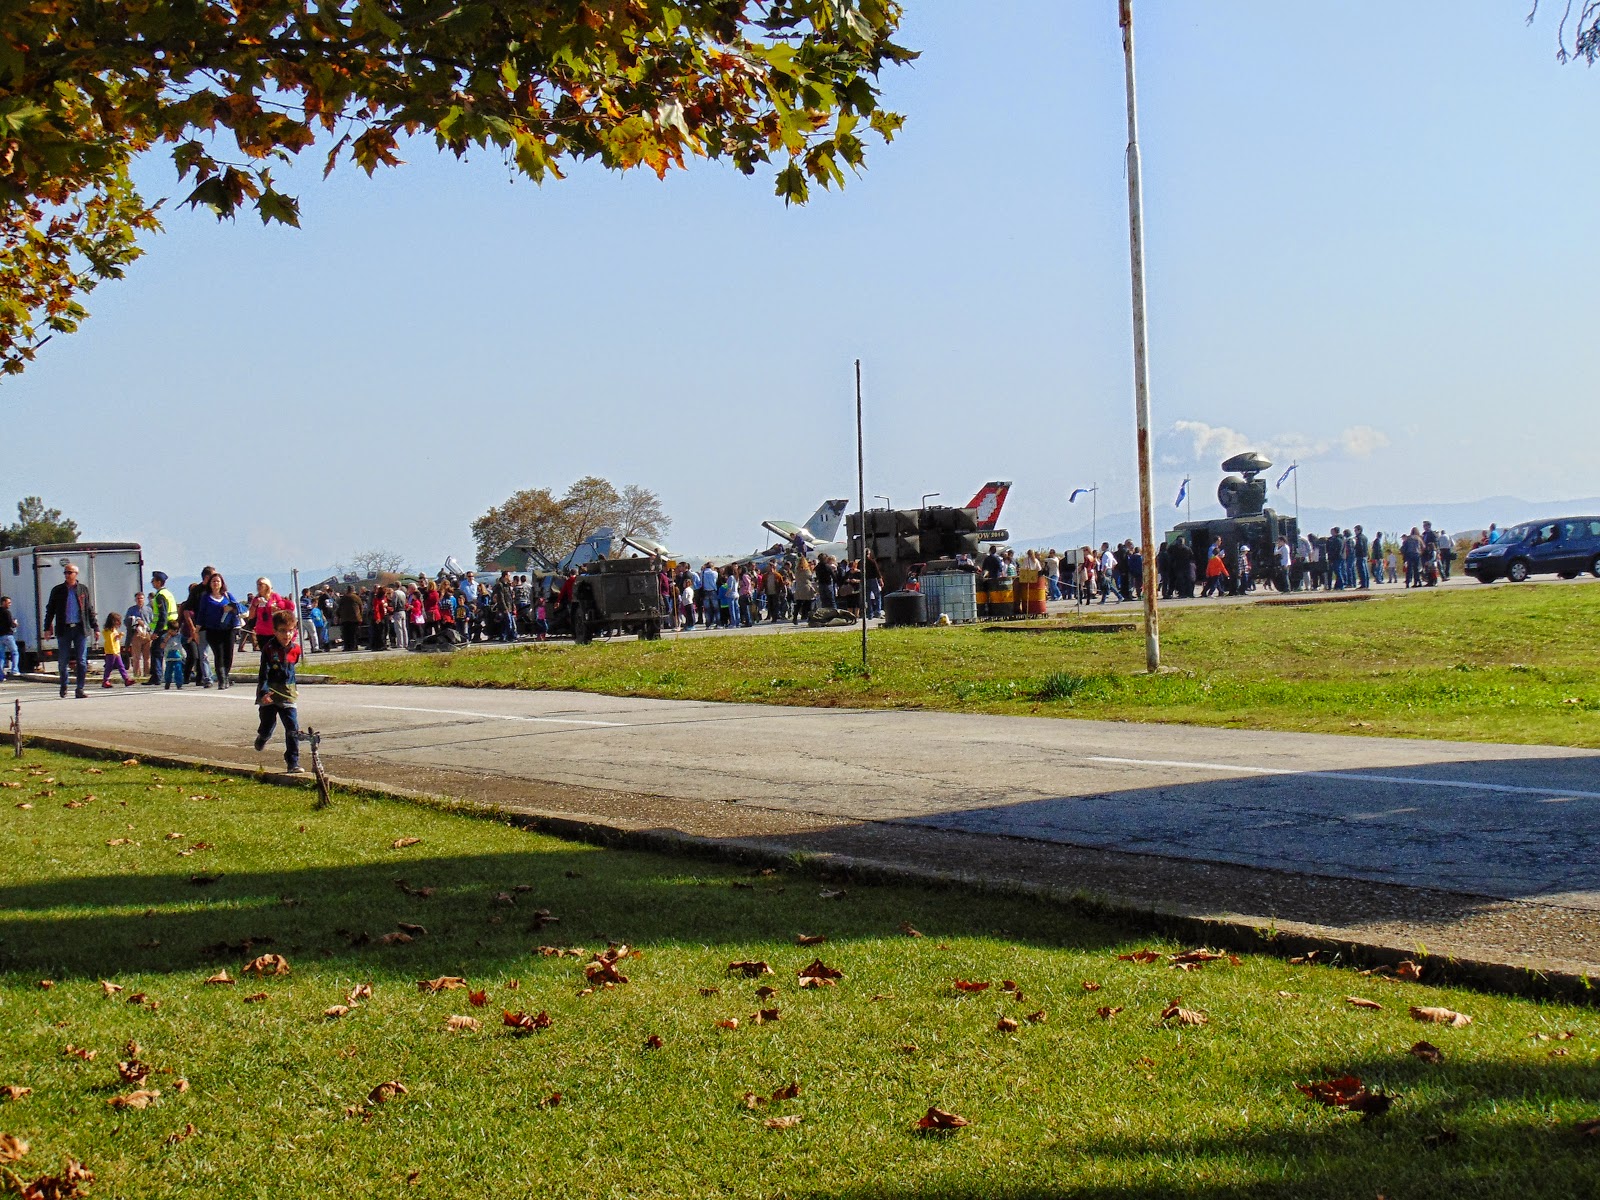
[1361,776]
[461,712]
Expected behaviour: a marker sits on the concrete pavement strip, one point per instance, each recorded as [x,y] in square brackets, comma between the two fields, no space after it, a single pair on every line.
[729,780]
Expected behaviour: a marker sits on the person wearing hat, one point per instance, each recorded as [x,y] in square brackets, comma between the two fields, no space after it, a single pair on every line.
[69,616]
[163,621]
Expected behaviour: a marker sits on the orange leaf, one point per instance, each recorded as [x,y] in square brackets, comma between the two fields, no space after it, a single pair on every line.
[1140,956]
[1441,1016]
[478,999]
[937,1119]
[1358,1002]
[967,985]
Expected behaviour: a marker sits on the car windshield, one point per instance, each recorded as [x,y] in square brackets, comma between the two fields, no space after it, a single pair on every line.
[1516,534]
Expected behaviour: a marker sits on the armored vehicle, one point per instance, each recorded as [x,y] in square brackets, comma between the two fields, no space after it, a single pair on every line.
[620,594]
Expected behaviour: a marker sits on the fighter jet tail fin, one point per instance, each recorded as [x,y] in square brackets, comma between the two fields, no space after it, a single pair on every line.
[824,523]
[990,499]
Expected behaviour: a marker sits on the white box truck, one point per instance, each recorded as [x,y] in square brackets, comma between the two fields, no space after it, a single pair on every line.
[114,572]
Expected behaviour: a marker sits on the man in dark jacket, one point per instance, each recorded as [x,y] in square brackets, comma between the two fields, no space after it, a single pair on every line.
[69,614]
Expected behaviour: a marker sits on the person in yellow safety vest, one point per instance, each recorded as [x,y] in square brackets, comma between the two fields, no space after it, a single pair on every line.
[163,619]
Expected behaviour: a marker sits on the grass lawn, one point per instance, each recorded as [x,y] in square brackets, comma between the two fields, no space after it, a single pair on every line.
[276,1092]
[1510,664]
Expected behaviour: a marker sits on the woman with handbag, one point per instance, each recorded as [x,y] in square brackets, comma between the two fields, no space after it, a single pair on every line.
[218,614]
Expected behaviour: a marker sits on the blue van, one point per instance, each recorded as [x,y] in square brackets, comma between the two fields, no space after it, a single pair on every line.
[1565,547]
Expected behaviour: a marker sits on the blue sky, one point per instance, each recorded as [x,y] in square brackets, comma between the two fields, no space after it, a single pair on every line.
[1367,236]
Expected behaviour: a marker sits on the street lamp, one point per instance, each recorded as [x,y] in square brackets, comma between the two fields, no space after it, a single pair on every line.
[885,500]
[926,496]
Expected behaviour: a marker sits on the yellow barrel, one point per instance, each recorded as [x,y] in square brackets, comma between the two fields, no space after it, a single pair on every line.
[1002,598]
[1032,599]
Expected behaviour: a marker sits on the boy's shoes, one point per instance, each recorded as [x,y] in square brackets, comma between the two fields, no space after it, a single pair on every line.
[166,687]
[261,743]
[106,684]
[63,693]
[125,683]
[297,769]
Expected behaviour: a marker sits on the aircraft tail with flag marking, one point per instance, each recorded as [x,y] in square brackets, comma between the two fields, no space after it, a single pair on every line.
[990,499]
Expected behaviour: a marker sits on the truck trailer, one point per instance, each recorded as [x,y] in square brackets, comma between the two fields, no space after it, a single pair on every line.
[114,572]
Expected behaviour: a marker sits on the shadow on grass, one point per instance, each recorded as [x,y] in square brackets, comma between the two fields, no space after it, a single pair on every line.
[481,910]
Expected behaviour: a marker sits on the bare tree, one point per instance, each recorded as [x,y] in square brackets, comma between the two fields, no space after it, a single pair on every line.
[640,514]
[1585,30]
[377,561]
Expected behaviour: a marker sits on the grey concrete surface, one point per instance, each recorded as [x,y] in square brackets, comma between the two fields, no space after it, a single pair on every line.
[1510,822]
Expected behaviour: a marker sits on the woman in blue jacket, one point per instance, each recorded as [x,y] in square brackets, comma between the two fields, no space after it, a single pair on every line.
[218,614]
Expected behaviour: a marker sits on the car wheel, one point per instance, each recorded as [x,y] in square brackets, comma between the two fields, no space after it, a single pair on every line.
[1517,572]
[1594,567]
[1486,578]
[1569,574]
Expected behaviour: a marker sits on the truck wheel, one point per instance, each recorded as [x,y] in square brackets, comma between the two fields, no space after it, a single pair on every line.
[1517,572]
[582,635]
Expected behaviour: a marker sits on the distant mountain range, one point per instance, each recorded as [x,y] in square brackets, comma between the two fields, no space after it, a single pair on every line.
[1387,518]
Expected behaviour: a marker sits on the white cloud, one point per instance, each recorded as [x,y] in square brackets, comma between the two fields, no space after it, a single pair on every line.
[1361,441]
[1210,444]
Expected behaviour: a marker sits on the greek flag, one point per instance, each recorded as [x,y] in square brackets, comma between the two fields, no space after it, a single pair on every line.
[1183,490]
[1078,492]
[1292,468]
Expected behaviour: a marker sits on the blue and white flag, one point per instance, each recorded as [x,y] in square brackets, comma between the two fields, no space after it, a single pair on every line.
[1183,491]
[1292,468]
[1078,492]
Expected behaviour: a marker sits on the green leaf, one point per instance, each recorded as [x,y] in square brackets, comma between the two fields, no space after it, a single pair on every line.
[792,186]
[275,206]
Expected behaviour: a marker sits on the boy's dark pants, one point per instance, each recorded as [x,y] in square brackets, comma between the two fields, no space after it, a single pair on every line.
[271,714]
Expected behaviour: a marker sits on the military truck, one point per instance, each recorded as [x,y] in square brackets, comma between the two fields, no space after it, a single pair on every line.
[621,595]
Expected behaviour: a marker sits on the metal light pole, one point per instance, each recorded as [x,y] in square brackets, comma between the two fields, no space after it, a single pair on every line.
[861,507]
[1141,363]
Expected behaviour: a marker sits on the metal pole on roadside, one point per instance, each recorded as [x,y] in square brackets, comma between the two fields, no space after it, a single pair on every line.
[16,727]
[1295,467]
[861,508]
[1141,363]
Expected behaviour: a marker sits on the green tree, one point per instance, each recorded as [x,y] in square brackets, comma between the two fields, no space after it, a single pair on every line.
[532,515]
[86,85]
[37,525]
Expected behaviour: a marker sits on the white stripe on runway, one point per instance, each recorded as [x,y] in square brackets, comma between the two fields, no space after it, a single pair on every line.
[461,712]
[1362,776]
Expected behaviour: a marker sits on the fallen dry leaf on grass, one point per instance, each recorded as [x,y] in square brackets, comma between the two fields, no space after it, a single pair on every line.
[181,1086]
[182,1135]
[413,930]
[787,1092]
[749,968]
[785,1122]
[1195,958]
[387,1091]
[334,1012]
[1141,956]
[396,939]
[763,1017]
[1106,1012]
[1358,1002]
[711,991]
[121,842]
[24,804]
[255,998]
[817,973]
[445,983]
[221,978]
[937,1119]
[1407,969]
[10,784]
[1589,1127]
[602,968]
[172,837]
[402,843]
[130,762]
[765,992]
[1441,1016]
[133,1071]
[829,894]
[12,1148]
[44,985]
[72,1051]
[68,1185]
[1090,985]
[1007,1025]
[360,992]
[471,1024]
[1347,1092]
[204,880]
[1427,1052]
[12,1091]
[521,1022]
[1037,1018]
[1183,1016]
[968,985]
[267,964]
[728,1023]
[478,999]
[143,1098]
[810,939]
[910,930]
[141,998]
[653,1042]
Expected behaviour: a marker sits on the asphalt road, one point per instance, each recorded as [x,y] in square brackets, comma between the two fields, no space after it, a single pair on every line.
[1510,822]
